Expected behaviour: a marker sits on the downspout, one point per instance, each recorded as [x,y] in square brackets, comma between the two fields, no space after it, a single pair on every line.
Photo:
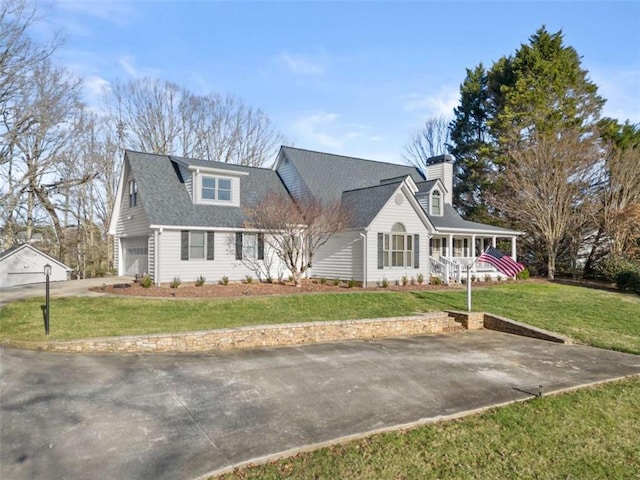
[156,260]
[364,259]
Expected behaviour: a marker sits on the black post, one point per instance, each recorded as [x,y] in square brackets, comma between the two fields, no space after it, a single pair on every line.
[46,301]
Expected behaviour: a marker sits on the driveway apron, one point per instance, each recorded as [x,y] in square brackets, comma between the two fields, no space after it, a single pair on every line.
[183,416]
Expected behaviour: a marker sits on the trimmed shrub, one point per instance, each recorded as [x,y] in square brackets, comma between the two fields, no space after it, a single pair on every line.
[224,280]
[628,281]
[385,283]
[248,279]
[323,281]
[436,281]
[523,275]
[405,280]
[420,279]
[200,281]
[176,282]
[487,277]
[351,283]
[146,282]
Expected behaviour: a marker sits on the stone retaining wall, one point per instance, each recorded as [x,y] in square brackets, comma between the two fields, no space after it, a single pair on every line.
[256,336]
[502,324]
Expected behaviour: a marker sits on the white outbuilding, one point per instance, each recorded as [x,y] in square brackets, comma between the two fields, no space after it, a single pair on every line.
[25,264]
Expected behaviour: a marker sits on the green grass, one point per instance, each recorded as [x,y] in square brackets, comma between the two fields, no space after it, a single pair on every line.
[591,433]
[85,317]
[595,317]
[599,318]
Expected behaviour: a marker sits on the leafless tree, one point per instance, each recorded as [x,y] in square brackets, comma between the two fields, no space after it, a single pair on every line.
[430,141]
[295,232]
[548,187]
[621,199]
[161,117]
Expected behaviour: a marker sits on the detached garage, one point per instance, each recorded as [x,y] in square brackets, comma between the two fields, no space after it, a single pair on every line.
[24,264]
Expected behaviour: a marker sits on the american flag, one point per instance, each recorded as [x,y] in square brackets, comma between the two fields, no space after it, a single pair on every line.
[504,263]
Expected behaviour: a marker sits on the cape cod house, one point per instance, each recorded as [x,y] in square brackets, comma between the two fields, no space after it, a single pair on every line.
[181,217]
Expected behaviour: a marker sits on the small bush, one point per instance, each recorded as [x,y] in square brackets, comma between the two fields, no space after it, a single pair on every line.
[200,281]
[612,267]
[436,281]
[351,283]
[248,279]
[323,281]
[487,277]
[405,280]
[146,281]
[420,279]
[176,282]
[473,278]
[336,282]
[523,275]
[224,280]
[498,278]
[629,281]
[385,283]
[291,278]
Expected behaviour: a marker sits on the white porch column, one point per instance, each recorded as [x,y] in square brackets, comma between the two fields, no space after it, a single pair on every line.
[513,247]
[493,242]
[450,246]
[473,251]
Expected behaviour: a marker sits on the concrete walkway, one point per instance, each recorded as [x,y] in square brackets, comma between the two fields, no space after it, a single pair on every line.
[58,289]
[183,416]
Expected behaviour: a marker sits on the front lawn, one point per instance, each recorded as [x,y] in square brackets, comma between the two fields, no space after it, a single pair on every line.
[591,433]
[603,319]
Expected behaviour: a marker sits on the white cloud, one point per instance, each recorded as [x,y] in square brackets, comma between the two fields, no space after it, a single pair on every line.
[303,64]
[324,130]
[433,104]
[620,89]
[116,12]
[128,64]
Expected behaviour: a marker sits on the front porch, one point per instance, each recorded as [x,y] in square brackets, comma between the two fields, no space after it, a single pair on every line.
[450,254]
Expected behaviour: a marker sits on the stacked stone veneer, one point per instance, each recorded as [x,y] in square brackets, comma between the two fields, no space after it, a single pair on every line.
[257,336]
[502,324]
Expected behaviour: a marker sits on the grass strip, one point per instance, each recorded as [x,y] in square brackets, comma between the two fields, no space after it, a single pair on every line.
[590,433]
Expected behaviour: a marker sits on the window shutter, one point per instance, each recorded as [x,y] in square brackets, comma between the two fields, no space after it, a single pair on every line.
[380,250]
[416,251]
[184,245]
[261,246]
[238,246]
[210,245]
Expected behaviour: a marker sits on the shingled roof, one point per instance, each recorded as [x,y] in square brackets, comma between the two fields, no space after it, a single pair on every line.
[166,200]
[327,175]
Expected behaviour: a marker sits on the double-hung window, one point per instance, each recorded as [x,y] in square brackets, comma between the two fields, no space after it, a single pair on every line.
[398,249]
[216,188]
[436,203]
[196,245]
[133,193]
[249,246]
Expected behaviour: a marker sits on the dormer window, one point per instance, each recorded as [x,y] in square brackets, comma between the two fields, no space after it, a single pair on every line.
[216,188]
[436,203]
[133,193]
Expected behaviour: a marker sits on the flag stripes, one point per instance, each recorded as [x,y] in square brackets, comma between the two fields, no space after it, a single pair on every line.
[504,263]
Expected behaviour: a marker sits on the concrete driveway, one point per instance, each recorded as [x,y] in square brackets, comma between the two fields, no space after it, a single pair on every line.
[58,289]
[183,416]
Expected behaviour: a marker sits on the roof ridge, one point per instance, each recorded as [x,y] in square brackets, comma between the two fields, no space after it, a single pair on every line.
[351,158]
[373,186]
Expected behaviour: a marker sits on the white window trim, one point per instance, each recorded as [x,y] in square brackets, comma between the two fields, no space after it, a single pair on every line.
[216,190]
[388,250]
[438,193]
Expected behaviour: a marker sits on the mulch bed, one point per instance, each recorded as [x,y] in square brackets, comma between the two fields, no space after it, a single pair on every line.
[189,290]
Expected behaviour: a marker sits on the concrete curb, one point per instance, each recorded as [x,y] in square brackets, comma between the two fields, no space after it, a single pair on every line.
[405,426]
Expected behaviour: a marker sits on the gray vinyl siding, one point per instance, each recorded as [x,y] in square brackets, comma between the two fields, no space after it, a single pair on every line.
[224,263]
[292,179]
[443,171]
[341,257]
[132,221]
[390,214]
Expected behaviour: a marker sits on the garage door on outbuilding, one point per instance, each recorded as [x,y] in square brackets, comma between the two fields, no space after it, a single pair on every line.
[135,255]
[24,264]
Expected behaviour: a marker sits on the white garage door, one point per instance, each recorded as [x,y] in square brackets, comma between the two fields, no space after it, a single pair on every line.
[136,255]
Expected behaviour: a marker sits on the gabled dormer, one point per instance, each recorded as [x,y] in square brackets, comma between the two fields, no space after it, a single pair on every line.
[212,185]
[432,196]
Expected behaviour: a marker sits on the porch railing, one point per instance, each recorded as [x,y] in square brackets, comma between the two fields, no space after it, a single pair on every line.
[439,269]
[478,267]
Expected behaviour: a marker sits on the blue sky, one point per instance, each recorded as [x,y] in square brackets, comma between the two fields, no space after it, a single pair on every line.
[348,77]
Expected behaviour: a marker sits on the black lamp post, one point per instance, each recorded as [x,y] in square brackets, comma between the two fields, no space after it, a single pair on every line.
[47,273]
